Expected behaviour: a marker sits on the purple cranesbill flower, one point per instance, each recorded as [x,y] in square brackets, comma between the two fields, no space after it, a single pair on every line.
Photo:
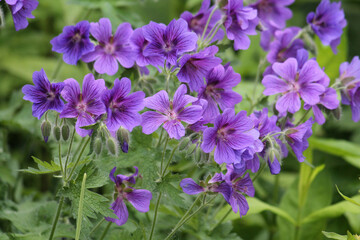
[197,22]
[200,126]
[293,83]
[239,23]
[112,48]
[44,95]
[139,43]
[139,198]
[218,91]
[297,137]
[328,22]
[73,42]
[240,185]
[21,10]
[170,113]
[273,13]
[169,41]
[85,106]
[195,67]
[328,100]
[350,80]
[283,47]
[230,133]
[247,159]
[122,107]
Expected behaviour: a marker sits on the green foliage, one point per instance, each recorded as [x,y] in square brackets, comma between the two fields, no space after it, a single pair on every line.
[43,167]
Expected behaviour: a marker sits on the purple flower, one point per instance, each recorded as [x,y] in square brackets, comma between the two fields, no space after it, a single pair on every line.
[230,133]
[139,198]
[85,106]
[240,22]
[73,42]
[328,22]
[196,23]
[170,113]
[283,47]
[21,10]
[293,83]
[122,107]
[44,95]
[273,13]
[328,100]
[297,138]
[169,41]
[218,91]
[139,43]
[240,185]
[195,67]
[112,48]
[350,79]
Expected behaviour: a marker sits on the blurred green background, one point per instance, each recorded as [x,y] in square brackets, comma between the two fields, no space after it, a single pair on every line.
[29,50]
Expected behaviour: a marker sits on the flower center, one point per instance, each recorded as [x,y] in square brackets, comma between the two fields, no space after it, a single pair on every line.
[50,96]
[76,38]
[109,48]
[172,115]
[212,91]
[223,132]
[168,47]
[81,107]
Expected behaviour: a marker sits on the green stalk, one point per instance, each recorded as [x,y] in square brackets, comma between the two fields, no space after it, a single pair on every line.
[221,220]
[81,204]
[207,23]
[303,117]
[78,160]
[56,219]
[163,155]
[97,226]
[188,211]
[170,158]
[68,153]
[105,231]
[155,216]
[57,68]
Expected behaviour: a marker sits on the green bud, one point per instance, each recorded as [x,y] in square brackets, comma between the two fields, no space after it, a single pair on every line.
[57,133]
[111,146]
[97,146]
[122,135]
[198,155]
[191,149]
[65,132]
[46,130]
[184,143]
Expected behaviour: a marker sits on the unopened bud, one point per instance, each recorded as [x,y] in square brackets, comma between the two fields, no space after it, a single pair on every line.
[57,133]
[184,143]
[46,130]
[97,146]
[65,132]
[111,146]
[198,155]
[191,149]
[123,136]
[273,154]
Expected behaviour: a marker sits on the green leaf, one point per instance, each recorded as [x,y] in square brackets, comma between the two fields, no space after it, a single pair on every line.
[43,167]
[333,235]
[347,198]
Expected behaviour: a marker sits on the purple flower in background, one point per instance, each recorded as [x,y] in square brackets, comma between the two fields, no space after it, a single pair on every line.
[189,186]
[21,10]
[139,43]
[169,41]
[293,84]
[283,48]
[350,79]
[112,48]
[328,22]
[170,113]
[73,42]
[122,107]
[195,67]
[44,95]
[297,138]
[139,198]
[85,106]
[218,91]
[196,23]
[273,13]
[240,22]
[240,185]
[230,133]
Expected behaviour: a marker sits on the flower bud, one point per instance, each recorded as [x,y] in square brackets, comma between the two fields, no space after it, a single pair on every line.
[57,133]
[97,146]
[123,136]
[65,132]
[184,143]
[198,155]
[111,146]
[46,130]
[191,149]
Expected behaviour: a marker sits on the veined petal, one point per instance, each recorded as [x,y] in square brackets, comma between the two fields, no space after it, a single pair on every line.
[120,211]
[140,199]
[189,186]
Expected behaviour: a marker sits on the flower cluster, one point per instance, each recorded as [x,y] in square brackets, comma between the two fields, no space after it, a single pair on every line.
[202,109]
[21,11]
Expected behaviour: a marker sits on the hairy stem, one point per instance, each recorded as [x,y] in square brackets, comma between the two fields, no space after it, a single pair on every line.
[97,226]
[56,219]
[207,23]
[105,231]
[155,216]
[68,153]
[78,159]
[163,155]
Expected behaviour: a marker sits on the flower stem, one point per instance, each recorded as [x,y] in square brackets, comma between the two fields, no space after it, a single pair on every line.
[188,211]
[155,216]
[105,231]
[60,161]
[68,153]
[163,155]
[160,138]
[207,23]
[221,220]
[303,117]
[170,158]
[78,159]
[57,68]
[97,226]
[56,219]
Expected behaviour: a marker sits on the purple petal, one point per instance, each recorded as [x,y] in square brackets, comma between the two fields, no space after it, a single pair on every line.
[287,70]
[224,153]
[289,102]
[140,199]
[175,129]
[191,114]
[190,187]
[120,211]
[151,121]
[274,85]
[159,102]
